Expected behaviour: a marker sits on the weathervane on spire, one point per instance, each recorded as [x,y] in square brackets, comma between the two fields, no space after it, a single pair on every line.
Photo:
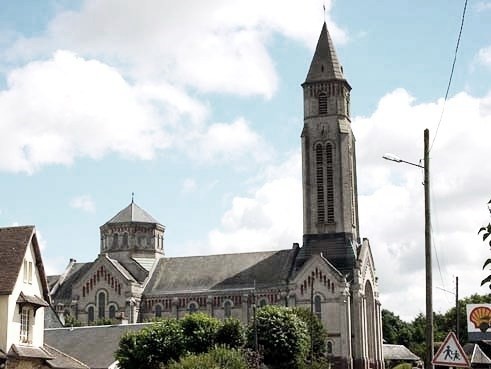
[132,197]
[324,7]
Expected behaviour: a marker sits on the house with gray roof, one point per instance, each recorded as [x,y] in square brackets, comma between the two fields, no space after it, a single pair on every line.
[24,295]
[333,270]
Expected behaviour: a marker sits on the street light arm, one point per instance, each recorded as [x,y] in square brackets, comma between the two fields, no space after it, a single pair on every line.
[395,158]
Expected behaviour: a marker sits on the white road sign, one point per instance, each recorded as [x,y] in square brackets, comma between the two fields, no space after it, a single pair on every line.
[451,353]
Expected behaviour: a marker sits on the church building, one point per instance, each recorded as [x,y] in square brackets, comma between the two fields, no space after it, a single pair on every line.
[131,280]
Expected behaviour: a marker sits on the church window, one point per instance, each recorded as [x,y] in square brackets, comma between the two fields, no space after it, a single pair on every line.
[330,183]
[193,307]
[317,306]
[227,307]
[25,325]
[115,240]
[101,297]
[329,347]
[90,314]
[263,302]
[125,240]
[322,103]
[158,311]
[320,183]
[112,312]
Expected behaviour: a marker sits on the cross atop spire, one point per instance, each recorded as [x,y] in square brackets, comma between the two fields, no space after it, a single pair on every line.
[325,64]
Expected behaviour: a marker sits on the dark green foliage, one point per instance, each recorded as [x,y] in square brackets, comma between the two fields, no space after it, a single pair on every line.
[412,334]
[71,321]
[148,348]
[486,232]
[218,358]
[231,333]
[199,331]
[282,337]
[105,321]
[314,326]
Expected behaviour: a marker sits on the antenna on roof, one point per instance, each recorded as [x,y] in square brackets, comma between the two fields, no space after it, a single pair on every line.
[132,197]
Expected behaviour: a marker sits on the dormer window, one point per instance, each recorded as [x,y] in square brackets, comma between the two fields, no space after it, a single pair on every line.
[25,325]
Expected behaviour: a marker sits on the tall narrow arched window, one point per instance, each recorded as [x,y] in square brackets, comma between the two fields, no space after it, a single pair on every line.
[227,308]
[329,347]
[115,240]
[90,314]
[158,311]
[193,307]
[112,312]
[322,103]
[319,179]
[101,302]
[125,240]
[317,306]
[330,183]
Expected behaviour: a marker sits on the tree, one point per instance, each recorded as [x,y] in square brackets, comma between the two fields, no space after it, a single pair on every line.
[316,331]
[200,332]
[486,232]
[217,358]
[282,336]
[231,333]
[148,348]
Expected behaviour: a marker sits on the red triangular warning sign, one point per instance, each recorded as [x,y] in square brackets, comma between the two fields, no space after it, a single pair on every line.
[451,353]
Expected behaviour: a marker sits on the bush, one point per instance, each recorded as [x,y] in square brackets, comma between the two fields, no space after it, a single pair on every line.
[148,348]
[199,331]
[218,358]
[231,333]
[282,336]
[319,333]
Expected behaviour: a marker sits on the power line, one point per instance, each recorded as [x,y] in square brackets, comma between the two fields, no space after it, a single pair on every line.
[451,74]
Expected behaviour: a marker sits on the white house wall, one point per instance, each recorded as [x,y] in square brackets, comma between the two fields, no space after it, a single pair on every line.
[13,316]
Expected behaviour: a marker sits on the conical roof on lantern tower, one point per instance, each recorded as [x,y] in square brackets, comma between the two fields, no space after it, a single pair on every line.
[132,213]
[325,64]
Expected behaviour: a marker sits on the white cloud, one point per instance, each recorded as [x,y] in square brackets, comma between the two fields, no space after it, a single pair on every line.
[269,218]
[484,56]
[483,6]
[211,46]
[189,185]
[391,195]
[67,107]
[226,142]
[83,202]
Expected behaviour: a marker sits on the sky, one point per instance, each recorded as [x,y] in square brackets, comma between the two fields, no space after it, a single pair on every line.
[196,108]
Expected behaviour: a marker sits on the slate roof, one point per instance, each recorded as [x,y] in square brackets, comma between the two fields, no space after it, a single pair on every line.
[398,352]
[325,64]
[64,291]
[94,346]
[13,246]
[220,272]
[335,247]
[31,352]
[60,360]
[132,213]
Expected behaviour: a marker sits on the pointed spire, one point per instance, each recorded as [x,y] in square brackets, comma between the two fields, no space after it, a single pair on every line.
[325,64]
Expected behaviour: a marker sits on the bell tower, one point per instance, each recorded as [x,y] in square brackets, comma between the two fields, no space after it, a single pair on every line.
[330,203]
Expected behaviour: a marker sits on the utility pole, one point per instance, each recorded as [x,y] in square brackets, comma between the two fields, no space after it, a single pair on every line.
[457,330]
[429,279]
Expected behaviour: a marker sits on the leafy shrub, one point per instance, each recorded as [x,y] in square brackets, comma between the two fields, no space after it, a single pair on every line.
[151,346]
[218,358]
[199,330]
[318,333]
[282,336]
[231,333]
